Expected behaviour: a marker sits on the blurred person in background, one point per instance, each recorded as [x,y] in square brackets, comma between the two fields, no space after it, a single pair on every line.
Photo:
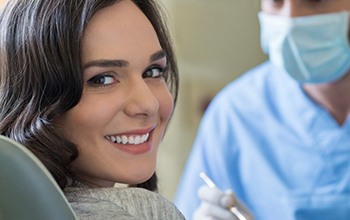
[279,136]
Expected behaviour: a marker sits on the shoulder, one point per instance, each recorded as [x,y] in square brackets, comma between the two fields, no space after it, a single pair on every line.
[129,203]
[253,82]
[246,91]
[260,95]
[259,88]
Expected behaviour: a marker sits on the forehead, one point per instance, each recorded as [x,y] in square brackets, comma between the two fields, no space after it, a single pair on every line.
[316,6]
[120,30]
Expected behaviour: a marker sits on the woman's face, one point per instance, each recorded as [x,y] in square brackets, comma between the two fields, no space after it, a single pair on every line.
[126,105]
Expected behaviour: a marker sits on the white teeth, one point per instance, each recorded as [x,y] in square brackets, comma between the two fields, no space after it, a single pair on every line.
[135,139]
[119,139]
[113,139]
[131,140]
[144,137]
[124,139]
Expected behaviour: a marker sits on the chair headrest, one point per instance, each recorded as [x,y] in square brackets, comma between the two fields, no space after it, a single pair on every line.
[27,189]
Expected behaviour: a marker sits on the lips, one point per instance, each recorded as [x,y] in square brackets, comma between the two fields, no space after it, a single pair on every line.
[128,139]
[133,142]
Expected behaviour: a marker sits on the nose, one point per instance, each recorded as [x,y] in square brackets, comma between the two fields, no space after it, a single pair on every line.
[141,100]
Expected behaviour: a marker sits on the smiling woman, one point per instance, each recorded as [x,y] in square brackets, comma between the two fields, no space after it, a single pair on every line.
[121,100]
[89,87]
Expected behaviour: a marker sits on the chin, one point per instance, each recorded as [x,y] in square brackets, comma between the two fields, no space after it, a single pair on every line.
[140,177]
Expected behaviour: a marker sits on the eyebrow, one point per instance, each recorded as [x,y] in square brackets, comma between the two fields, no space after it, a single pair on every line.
[121,63]
[157,55]
[106,63]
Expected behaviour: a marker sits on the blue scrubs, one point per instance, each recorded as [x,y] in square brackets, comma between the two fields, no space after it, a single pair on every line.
[283,155]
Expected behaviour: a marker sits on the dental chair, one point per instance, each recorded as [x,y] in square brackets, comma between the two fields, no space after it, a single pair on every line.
[27,189]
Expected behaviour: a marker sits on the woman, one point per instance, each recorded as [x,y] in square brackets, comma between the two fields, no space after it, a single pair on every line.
[89,87]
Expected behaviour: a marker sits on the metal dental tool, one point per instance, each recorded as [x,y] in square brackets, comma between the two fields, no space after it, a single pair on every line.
[212,185]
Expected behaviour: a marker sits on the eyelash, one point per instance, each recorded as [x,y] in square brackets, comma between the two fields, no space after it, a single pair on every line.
[96,80]
[160,69]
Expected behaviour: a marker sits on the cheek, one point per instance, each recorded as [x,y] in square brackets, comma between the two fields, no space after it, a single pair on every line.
[91,115]
[166,103]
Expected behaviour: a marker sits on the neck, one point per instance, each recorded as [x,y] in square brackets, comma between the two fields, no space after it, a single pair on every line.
[332,96]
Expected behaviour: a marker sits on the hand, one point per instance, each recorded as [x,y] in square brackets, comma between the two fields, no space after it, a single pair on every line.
[216,205]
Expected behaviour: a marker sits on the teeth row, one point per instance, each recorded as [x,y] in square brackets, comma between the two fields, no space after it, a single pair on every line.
[136,139]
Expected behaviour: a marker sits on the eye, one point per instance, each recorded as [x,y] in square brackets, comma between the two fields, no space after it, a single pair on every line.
[272,3]
[154,72]
[105,79]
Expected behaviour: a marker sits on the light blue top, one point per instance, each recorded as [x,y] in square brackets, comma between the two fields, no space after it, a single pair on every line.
[282,154]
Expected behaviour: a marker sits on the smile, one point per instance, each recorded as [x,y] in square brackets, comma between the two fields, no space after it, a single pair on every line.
[124,139]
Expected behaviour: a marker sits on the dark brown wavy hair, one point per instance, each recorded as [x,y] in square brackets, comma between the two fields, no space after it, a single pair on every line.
[41,73]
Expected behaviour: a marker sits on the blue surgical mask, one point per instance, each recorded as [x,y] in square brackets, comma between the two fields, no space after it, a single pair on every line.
[311,49]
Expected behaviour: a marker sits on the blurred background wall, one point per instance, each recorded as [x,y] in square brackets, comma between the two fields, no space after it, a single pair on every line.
[215,42]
